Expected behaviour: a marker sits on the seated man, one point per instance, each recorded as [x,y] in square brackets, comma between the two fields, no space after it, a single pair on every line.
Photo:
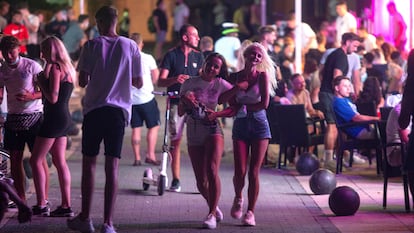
[346,111]
[395,135]
[299,95]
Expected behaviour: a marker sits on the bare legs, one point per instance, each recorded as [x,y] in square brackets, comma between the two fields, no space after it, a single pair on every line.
[158,50]
[6,192]
[152,134]
[136,142]
[17,172]
[57,148]
[241,153]
[176,155]
[88,185]
[329,141]
[206,163]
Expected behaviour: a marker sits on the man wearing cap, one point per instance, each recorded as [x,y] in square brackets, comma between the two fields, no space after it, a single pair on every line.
[228,45]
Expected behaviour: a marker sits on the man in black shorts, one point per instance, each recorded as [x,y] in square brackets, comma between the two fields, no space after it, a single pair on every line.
[107,66]
[178,65]
[336,64]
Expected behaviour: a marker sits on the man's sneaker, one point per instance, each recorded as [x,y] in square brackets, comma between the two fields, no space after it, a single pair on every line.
[356,159]
[107,229]
[210,222]
[248,219]
[62,212]
[42,211]
[219,214]
[11,205]
[77,224]
[175,185]
[330,165]
[236,210]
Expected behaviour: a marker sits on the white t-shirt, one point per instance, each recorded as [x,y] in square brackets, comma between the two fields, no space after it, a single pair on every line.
[206,93]
[308,35]
[354,63]
[144,94]
[111,62]
[392,129]
[344,24]
[20,79]
[180,13]
[34,20]
[369,43]
[227,46]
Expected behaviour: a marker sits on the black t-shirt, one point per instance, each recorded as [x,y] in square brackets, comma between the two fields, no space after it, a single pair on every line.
[174,61]
[336,60]
[162,19]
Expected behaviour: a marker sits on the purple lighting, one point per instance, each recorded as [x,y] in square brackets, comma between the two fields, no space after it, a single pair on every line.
[381,24]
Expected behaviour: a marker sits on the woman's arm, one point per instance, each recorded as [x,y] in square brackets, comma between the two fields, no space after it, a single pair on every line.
[230,111]
[51,92]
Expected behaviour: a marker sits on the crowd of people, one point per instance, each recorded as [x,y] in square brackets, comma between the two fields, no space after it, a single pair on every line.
[245,68]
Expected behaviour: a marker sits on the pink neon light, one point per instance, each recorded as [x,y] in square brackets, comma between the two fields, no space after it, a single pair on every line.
[381,18]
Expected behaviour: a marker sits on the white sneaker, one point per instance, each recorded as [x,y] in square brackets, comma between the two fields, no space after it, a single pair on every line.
[107,229]
[330,165]
[210,222]
[248,219]
[356,159]
[236,210]
[219,214]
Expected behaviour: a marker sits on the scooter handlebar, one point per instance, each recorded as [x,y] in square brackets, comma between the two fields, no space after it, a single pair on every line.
[170,94]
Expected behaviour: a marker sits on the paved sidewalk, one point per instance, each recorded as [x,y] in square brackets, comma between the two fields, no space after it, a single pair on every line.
[285,202]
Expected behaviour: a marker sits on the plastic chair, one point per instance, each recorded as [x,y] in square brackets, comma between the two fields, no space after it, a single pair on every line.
[293,129]
[347,142]
[388,170]
[274,128]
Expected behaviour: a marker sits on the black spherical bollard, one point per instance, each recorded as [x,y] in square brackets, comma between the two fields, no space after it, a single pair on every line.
[322,181]
[344,201]
[307,163]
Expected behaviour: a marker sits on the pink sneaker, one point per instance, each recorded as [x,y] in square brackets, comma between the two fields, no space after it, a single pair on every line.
[248,219]
[236,209]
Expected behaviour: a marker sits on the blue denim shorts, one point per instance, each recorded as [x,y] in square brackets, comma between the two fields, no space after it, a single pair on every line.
[251,127]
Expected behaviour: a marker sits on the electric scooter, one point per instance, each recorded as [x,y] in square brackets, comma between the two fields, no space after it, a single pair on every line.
[161,180]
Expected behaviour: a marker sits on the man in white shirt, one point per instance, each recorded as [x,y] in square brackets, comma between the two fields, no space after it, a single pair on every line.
[181,14]
[32,23]
[229,45]
[307,34]
[369,41]
[345,22]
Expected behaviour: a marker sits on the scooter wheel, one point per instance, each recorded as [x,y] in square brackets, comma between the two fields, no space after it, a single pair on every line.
[147,174]
[162,182]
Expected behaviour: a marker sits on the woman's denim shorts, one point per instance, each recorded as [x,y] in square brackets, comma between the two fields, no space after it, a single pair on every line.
[251,127]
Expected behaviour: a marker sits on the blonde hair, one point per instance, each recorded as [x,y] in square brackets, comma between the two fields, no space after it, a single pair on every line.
[267,65]
[240,54]
[54,49]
